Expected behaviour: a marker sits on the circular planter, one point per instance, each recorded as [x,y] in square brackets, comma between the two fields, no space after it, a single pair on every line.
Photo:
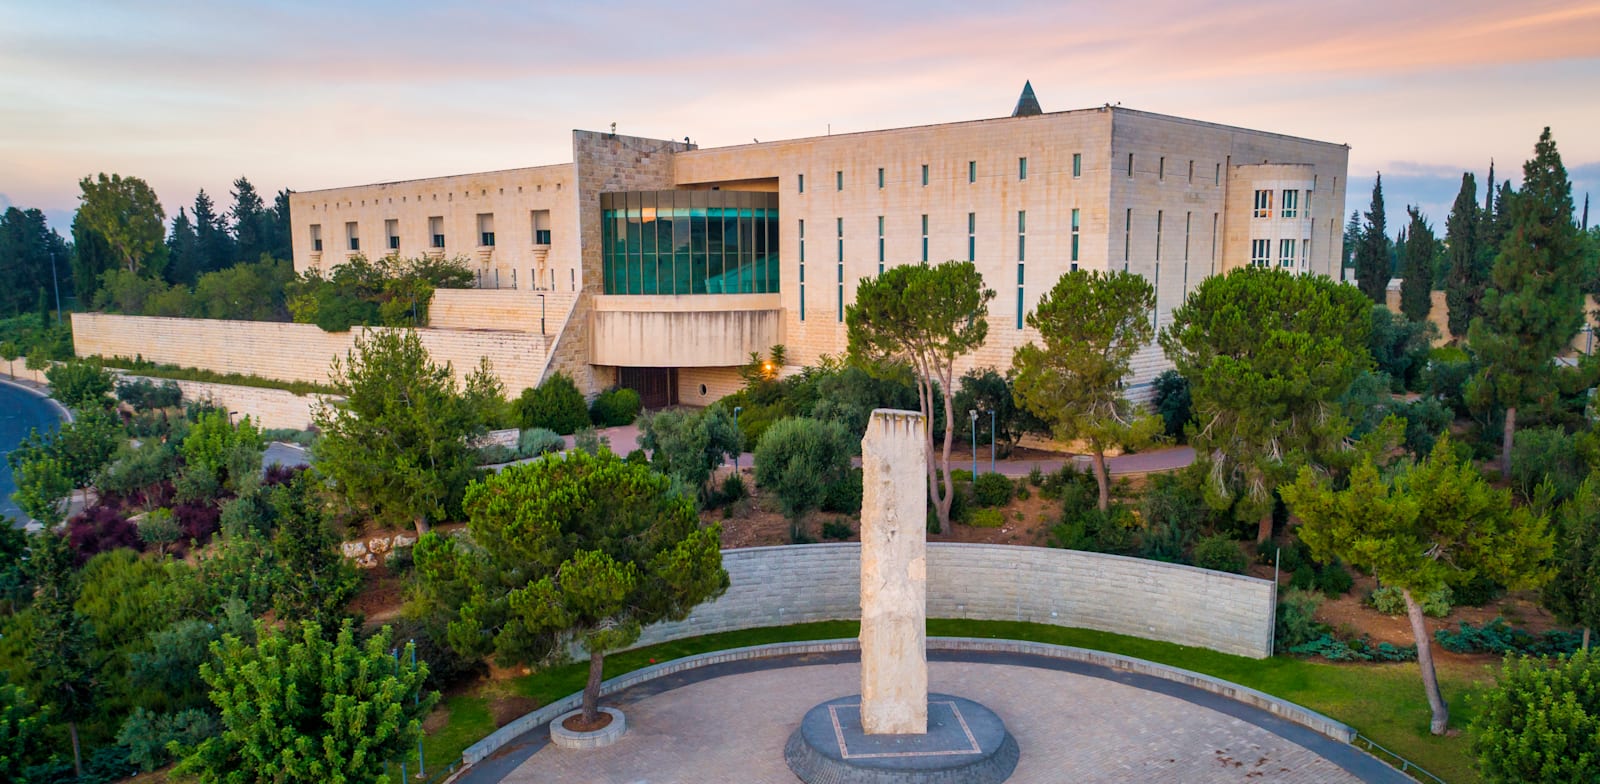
[605,736]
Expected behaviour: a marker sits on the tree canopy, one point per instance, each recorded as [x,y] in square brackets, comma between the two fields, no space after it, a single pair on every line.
[126,215]
[925,317]
[1417,267]
[1465,271]
[1372,252]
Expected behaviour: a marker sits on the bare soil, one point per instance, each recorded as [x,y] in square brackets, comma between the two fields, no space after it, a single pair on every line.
[381,596]
[577,724]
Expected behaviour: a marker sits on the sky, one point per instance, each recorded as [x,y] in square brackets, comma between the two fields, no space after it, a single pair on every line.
[306,95]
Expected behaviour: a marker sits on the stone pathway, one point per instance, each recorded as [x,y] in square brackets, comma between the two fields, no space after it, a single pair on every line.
[1071,727]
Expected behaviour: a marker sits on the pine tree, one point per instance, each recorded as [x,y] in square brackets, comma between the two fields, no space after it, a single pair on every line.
[211,231]
[183,251]
[1533,305]
[1464,271]
[61,641]
[276,237]
[1416,283]
[1372,254]
[1352,242]
[249,219]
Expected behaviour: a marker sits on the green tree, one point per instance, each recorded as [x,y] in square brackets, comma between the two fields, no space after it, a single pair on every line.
[689,445]
[1352,242]
[1533,305]
[32,258]
[800,459]
[984,390]
[126,215]
[582,548]
[318,581]
[183,251]
[58,653]
[211,235]
[80,385]
[43,486]
[92,257]
[1417,264]
[229,454]
[20,730]
[556,404]
[248,216]
[1091,324]
[1434,525]
[1541,722]
[926,317]
[9,351]
[300,708]
[398,446]
[84,446]
[1268,355]
[1372,253]
[1573,593]
[1465,273]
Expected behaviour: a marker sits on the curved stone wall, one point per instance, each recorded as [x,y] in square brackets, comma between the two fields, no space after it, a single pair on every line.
[774,586]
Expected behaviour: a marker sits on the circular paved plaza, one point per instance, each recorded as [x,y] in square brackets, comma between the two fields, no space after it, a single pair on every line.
[1071,726]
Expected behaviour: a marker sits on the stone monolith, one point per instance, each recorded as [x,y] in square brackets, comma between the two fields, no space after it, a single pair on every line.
[894,664]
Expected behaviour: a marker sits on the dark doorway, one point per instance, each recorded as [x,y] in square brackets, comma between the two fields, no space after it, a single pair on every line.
[657,387]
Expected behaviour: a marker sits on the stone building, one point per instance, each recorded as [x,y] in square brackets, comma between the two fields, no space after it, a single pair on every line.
[661,266]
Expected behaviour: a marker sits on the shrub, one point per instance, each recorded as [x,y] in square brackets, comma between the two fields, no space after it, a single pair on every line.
[732,490]
[1174,499]
[100,529]
[197,520]
[1022,489]
[1165,541]
[146,734]
[289,435]
[986,518]
[1499,637]
[1171,400]
[837,530]
[159,530]
[844,496]
[689,445]
[799,459]
[1295,621]
[1095,531]
[1476,592]
[1221,553]
[1541,722]
[143,394]
[614,407]
[556,404]
[992,490]
[1333,580]
[1355,649]
[589,442]
[1036,476]
[495,454]
[1389,600]
[637,457]
[1540,455]
[79,385]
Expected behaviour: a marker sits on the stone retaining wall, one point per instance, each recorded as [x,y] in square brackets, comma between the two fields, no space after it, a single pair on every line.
[775,586]
[270,409]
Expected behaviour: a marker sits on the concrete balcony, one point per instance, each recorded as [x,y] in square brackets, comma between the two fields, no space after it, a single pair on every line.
[704,330]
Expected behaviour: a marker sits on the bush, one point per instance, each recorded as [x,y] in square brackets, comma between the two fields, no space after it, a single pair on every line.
[837,530]
[1476,592]
[100,529]
[992,490]
[495,454]
[159,530]
[590,442]
[289,435]
[637,457]
[1221,553]
[1541,722]
[1295,622]
[799,459]
[689,445]
[844,496]
[986,518]
[80,385]
[1092,530]
[1541,455]
[1167,542]
[143,394]
[1174,499]
[1335,649]
[732,490]
[1499,637]
[1172,402]
[555,404]
[1389,600]
[146,734]
[1036,476]
[614,407]
[1333,580]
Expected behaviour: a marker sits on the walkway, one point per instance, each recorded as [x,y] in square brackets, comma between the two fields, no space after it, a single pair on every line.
[1074,721]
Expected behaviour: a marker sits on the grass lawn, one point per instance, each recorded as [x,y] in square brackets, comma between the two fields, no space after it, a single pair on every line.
[1382,701]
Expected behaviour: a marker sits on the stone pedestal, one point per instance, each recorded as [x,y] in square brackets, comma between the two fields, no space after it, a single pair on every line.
[894,535]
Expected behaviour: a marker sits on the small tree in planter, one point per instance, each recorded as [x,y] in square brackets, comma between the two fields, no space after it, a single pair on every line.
[581,548]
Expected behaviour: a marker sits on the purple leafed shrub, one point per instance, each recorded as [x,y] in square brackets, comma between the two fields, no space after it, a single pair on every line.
[198,521]
[280,474]
[99,529]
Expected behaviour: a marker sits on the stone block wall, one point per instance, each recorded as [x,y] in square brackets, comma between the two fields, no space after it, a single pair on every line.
[270,409]
[772,586]
[515,310]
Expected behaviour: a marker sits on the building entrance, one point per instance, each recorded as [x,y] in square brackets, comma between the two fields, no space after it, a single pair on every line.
[657,387]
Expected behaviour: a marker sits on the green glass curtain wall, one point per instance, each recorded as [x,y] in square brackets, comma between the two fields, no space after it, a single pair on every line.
[690,242]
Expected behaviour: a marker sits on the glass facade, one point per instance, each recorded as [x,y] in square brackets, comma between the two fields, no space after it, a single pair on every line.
[690,242]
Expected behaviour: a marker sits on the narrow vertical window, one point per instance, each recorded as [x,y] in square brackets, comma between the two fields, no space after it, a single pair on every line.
[924,238]
[1216,178]
[1155,304]
[1077,165]
[1130,164]
[800,182]
[1022,235]
[924,175]
[1286,253]
[1074,238]
[880,244]
[802,270]
[1159,215]
[841,292]
[1191,172]
[391,229]
[1020,277]
[838,180]
[354,238]
[1161,168]
[972,236]
[1022,168]
[1188,225]
[839,274]
[1213,242]
[880,178]
[972,171]
[839,225]
[1127,237]
[316,237]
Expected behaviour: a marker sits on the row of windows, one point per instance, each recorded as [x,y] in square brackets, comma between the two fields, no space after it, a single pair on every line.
[689,242]
[972,174]
[1161,170]
[1289,207]
[538,222]
[1261,253]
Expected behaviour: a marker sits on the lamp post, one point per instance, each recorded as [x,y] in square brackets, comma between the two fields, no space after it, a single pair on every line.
[739,436]
[991,441]
[56,283]
[973,414]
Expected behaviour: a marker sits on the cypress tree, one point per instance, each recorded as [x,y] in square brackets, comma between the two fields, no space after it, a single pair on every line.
[1533,305]
[183,251]
[1416,283]
[211,231]
[249,219]
[1372,255]
[1464,269]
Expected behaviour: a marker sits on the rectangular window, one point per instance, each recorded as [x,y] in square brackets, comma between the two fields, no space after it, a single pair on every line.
[972,236]
[1260,253]
[1188,225]
[1022,234]
[350,232]
[880,244]
[924,175]
[1286,254]
[1305,253]
[841,291]
[1077,165]
[316,237]
[802,246]
[1159,215]
[541,227]
[800,182]
[802,268]
[1022,168]
[1019,294]
[1127,237]
[972,171]
[1291,203]
[1161,168]
[1214,241]
[1216,177]
[838,180]
[1191,172]
[1130,164]
[1074,238]
[391,229]
[1263,207]
[486,230]
[924,238]
[436,231]
[839,224]
[880,178]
